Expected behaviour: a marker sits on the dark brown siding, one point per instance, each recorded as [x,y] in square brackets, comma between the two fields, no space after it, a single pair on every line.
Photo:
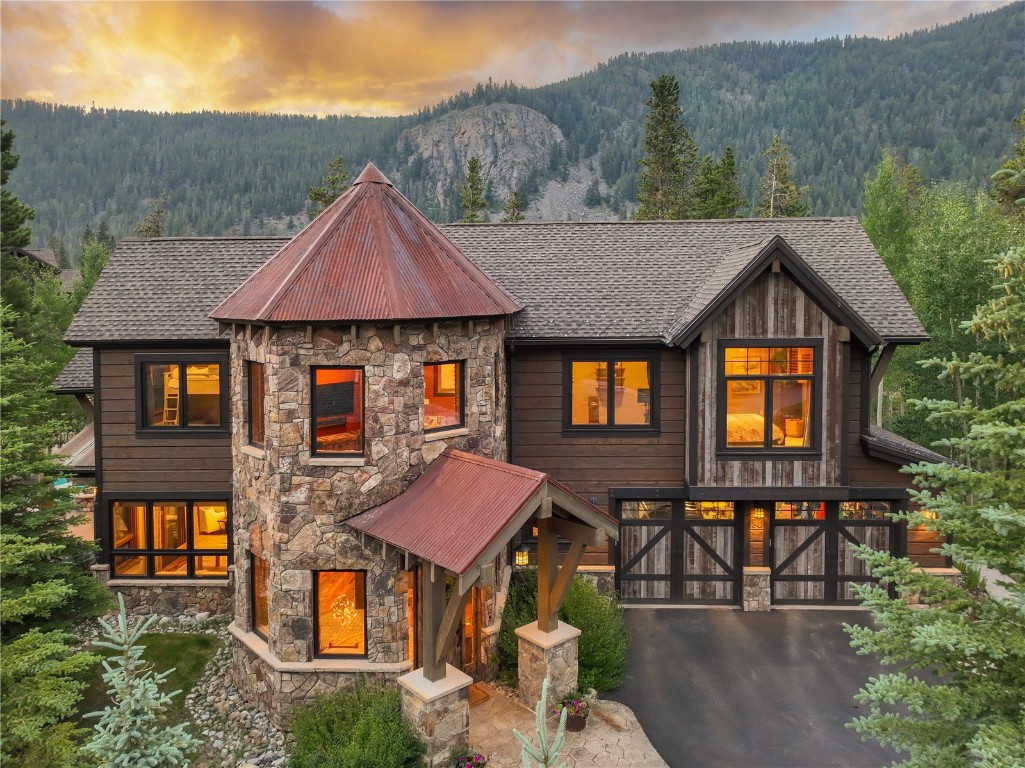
[591,464]
[131,464]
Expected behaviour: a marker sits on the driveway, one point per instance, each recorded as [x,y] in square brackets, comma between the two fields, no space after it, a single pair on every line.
[717,688]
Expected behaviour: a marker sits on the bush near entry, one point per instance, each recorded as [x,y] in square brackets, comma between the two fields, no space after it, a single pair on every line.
[601,653]
[357,728]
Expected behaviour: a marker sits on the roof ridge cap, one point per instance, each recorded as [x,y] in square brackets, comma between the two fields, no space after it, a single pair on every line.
[499,466]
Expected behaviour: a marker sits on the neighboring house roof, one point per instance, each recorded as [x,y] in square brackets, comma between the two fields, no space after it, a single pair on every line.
[68,278]
[370,256]
[79,452]
[444,518]
[632,280]
[884,444]
[42,256]
[162,289]
[77,375]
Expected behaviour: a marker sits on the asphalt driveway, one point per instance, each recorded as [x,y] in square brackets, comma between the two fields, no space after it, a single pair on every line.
[718,688]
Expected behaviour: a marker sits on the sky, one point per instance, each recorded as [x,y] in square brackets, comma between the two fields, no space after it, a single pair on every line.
[380,58]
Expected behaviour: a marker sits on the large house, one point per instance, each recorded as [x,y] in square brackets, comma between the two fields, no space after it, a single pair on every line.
[346,438]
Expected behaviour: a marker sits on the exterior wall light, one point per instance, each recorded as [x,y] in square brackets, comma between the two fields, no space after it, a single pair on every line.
[522,555]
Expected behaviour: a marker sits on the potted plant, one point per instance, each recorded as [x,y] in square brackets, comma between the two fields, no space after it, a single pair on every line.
[469,758]
[577,710]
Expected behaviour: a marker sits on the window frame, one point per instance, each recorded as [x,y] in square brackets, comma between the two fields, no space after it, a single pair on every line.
[150,553]
[313,413]
[814,410]
[251,414]
[254,627]
[183,360]
[460,391]
[315,597]
[611,356]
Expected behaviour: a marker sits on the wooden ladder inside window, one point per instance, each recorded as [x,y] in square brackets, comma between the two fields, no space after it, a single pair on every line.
[170,406]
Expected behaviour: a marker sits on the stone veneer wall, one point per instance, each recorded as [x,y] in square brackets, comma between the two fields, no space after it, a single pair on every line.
[172,598]
[290,508]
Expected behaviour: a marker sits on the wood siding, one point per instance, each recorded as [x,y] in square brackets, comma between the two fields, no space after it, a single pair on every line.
[591,464]
[772,307]
[177,464]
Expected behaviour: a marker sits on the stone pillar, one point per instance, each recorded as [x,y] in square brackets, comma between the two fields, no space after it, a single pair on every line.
[757,588]
[547,654]
[439,712]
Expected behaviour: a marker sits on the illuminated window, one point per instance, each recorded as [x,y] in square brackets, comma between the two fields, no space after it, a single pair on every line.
[708,510]
[338,411]
[646,510]
[864,510]
[768,398]
[170,539]
[341,598]
[181,394]
[256,416]
[261,597]
[443,395]
[610,393]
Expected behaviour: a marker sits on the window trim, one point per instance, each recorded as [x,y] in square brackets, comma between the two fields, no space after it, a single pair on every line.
[461,390]
[149,552]
[253,626]
[313,413]
[250,414]
[802,453]
[611,356]
[142,429]
[315,612]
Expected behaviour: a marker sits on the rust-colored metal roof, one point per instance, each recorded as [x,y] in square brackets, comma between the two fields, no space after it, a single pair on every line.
[371,255]
[462,505]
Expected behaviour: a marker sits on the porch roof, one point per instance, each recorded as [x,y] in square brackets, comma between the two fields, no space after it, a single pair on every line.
[464,509]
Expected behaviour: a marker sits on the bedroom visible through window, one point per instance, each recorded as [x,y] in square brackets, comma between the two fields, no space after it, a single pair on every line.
[181,394]
[610,392]
[338,411]
[768,397]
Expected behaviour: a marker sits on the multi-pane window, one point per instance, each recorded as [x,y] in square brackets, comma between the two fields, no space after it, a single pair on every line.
[261,597]
[256,416]
[443,395]
[768,397]
[169,539]
[338,411]
[181,394]
[610,393]
[341,620]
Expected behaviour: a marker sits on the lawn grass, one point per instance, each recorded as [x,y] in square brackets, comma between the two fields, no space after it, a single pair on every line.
[187,653]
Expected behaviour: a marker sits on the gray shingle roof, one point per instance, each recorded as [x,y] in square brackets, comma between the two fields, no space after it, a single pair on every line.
[892,443]
[162,289]
[631,279]
[77,375]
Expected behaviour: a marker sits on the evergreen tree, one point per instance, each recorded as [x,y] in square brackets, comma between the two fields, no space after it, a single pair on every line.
[335,182]
[512,211]
[592,196]
[969,709]
[891,197]
[728,198]
[153,223]
[471,193]
[703,190]
[1009,180]
[94,258]
[670,155]
[780,197]
[14,214]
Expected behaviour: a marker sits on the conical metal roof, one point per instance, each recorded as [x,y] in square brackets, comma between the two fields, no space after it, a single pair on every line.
[370,256]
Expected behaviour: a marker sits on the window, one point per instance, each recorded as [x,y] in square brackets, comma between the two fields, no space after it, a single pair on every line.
[341,621]
[767,397]
[260,591]
[169,539]
[338,411]
[610,392]
[182,394]
[256,415]
[443,395]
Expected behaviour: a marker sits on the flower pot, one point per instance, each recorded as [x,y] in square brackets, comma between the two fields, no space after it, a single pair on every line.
[576,722]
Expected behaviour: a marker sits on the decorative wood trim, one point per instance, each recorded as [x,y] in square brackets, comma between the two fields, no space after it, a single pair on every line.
[879,369]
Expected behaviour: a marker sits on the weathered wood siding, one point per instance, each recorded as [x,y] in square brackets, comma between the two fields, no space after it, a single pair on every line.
[591,464]
[772,307]
[176,464]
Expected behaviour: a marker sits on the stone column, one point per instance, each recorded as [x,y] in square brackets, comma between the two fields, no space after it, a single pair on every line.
[439,712]
[547,654]
[757,589]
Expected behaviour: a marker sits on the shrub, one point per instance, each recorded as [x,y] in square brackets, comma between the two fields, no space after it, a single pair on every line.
[357,728]
[602,649]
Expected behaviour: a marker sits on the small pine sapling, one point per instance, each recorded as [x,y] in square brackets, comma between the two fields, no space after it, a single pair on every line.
[127,736]
[544,754]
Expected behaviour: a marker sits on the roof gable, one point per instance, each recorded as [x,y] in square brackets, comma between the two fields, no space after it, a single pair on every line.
[370,256]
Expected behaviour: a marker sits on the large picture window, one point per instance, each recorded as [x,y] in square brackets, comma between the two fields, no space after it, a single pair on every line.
[182,394]
[169,539]
[443,395]
[256,414]
[341,621]
[604,392]
[338,411]
[767,398]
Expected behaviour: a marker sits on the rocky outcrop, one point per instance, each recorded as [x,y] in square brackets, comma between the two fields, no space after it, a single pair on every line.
[510,140]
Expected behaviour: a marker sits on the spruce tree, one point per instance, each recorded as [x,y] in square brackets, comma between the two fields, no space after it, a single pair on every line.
[779,195]
[728,198]
[335,182]
[512,211]
[14,214]
[670,155]
[155,220]
[703,190]
[471,193]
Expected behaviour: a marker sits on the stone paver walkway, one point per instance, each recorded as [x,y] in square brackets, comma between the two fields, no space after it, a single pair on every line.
[612,739]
